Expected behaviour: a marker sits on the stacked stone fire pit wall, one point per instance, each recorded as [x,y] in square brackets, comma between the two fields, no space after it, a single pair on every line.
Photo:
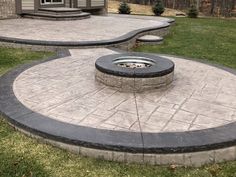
[160,72]
[7,9]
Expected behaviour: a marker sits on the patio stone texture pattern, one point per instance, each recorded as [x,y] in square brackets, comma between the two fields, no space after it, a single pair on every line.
[7,9]
[94,32]
[126,45]
[200,96]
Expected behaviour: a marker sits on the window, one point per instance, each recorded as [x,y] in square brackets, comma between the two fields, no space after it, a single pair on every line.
[52,2]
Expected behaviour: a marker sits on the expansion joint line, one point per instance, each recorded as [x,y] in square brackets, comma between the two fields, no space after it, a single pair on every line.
[139,123]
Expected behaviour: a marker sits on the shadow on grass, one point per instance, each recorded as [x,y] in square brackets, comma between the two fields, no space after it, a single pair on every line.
[14,158]
[13,164]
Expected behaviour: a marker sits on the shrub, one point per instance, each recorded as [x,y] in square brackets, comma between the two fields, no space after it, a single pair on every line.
[124,8]
[193,12]
[158,8]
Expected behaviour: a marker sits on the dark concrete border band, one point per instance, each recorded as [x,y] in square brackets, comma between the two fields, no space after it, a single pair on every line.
[176,142]
[118,40]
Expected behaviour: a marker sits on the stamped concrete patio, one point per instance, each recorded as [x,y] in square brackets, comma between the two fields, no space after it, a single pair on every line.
[95,28]
[200,97]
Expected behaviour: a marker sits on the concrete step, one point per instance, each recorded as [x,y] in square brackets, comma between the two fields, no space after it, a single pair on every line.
[150,39]
[60,11]
[58,17]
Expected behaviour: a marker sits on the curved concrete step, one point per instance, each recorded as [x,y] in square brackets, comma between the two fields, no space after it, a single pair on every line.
[150,39]
[60,11]
[47,16]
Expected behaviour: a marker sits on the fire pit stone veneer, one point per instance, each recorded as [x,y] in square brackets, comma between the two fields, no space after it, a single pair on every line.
[134,71]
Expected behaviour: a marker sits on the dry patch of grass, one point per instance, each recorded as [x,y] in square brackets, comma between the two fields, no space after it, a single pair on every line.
[139,9]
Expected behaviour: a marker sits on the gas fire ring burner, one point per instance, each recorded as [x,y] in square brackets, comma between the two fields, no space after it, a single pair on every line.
[134,71]
[133,62]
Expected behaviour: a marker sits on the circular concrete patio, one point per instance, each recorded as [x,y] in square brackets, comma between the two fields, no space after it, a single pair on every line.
[200,96]
[186,123]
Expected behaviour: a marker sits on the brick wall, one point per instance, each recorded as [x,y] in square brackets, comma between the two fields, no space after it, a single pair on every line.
[7,9]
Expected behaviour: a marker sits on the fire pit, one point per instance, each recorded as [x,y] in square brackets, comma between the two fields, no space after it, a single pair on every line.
[134,71]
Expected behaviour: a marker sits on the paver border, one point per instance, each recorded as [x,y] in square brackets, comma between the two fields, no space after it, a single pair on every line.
[132,142]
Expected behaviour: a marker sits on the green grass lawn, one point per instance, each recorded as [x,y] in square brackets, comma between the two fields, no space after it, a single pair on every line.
[210,39]
[9,58]
[24,156]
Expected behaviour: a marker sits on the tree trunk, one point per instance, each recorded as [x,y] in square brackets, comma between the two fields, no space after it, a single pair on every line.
[212,6]
[232,4]
[197,4]
[222,7]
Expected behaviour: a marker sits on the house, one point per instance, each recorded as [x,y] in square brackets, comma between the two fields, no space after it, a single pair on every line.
[59,8]
[7,9]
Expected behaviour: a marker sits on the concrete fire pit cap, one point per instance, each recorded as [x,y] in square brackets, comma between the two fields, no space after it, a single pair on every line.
[154,66]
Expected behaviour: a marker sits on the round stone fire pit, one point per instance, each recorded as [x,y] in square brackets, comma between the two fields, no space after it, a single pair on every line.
[134,71]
